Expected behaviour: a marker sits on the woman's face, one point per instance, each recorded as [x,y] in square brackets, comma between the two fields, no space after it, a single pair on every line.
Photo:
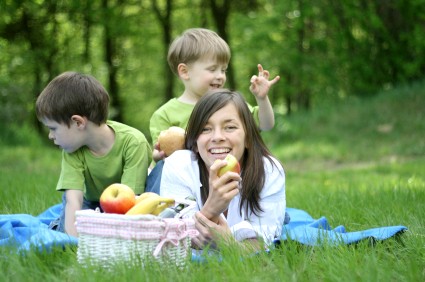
[224,133]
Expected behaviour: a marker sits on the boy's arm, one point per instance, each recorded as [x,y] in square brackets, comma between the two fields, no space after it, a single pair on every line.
[260,86]
[265,114]
[74,202]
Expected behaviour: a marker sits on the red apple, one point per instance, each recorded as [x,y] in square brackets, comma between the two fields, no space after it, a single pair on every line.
[232,165]
[117,198]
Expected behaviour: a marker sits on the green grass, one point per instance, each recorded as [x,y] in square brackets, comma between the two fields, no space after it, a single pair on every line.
[359,163]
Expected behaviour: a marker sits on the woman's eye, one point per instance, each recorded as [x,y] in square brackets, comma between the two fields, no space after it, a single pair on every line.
[206,130]
[230,127]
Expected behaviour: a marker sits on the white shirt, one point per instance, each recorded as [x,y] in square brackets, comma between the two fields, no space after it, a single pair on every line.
[180,178]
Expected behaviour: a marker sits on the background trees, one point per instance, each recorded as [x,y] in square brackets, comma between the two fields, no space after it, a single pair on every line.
[321,49]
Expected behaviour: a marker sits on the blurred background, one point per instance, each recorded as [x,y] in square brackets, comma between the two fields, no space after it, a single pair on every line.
[323,50]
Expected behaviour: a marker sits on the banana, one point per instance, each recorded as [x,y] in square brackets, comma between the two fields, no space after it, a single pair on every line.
[145,195]
[149,205]
[162,206]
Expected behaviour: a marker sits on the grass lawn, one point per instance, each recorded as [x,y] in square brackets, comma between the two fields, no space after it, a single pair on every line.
[359,163]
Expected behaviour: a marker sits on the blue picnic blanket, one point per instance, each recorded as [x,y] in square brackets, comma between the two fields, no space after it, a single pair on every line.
[26,231]
[306,230]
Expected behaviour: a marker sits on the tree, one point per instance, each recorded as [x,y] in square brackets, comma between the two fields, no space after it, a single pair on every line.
[164,18]
[113,15]
[34,25]
[220,11]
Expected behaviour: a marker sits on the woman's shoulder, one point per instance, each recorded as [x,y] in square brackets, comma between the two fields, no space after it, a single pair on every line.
[275,179]
[272,163]
[180,170]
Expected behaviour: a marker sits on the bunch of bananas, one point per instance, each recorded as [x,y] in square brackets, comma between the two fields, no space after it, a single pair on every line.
[150,203]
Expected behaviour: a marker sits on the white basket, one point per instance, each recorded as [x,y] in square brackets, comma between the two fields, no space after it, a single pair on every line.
[109,238]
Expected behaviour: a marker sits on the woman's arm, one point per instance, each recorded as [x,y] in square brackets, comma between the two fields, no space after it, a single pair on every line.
[222,190]
[180,176]
[268,223]
[211,233]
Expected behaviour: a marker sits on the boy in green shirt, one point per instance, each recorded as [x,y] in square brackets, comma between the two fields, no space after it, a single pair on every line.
[96,152]
[199,57]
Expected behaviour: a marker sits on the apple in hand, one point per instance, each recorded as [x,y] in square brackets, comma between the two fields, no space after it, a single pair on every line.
[117,198]
[232,165]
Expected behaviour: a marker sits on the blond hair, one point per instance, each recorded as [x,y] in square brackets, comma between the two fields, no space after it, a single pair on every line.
[194,44]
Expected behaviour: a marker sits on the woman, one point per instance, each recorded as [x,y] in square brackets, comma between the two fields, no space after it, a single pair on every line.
[250,206]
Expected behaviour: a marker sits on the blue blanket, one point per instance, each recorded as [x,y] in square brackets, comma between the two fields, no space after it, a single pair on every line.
[26,231]
[309,231]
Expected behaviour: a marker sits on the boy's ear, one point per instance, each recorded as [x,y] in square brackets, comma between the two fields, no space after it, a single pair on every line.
[79,120]
[183,71]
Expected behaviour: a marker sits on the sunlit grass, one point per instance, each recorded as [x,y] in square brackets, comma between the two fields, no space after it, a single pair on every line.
[359,163]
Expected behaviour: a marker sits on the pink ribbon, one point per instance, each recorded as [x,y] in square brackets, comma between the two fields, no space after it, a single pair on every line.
[167,237]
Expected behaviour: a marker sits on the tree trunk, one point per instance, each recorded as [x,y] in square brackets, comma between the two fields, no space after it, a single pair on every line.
[220,15]
[43,61]
[165,22]
[110,53]
[303,93]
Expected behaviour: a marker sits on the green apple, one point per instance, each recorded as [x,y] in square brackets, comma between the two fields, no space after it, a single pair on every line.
[117,198]
[232,165]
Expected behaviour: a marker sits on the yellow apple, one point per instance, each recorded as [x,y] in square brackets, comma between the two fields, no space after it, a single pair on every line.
[171,140]
[232,165]
[117,198]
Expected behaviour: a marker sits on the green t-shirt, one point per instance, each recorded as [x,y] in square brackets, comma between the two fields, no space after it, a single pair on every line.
[176,113]
[172,113]
[127,162]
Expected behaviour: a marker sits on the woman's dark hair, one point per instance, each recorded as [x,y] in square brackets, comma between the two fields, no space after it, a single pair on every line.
[252,163]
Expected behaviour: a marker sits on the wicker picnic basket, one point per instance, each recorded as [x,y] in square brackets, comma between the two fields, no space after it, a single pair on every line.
[106,239]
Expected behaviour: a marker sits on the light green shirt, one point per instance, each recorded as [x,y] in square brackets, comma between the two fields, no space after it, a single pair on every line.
[172,113]
[176,113]
[127,162]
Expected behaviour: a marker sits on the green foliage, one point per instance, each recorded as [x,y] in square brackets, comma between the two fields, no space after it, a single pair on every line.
[321,49]
[355,130]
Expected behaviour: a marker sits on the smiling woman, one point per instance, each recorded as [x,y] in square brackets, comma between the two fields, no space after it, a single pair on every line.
[250,205]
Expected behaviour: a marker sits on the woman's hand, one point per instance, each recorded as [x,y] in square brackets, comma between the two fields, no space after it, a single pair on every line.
[210,232]
[222,190]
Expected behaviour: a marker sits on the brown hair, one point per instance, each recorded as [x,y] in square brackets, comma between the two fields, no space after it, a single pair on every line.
[72,93]
[194,44]
[252,163]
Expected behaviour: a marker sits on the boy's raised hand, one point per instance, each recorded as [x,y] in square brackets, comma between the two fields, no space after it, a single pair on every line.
[260,85]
